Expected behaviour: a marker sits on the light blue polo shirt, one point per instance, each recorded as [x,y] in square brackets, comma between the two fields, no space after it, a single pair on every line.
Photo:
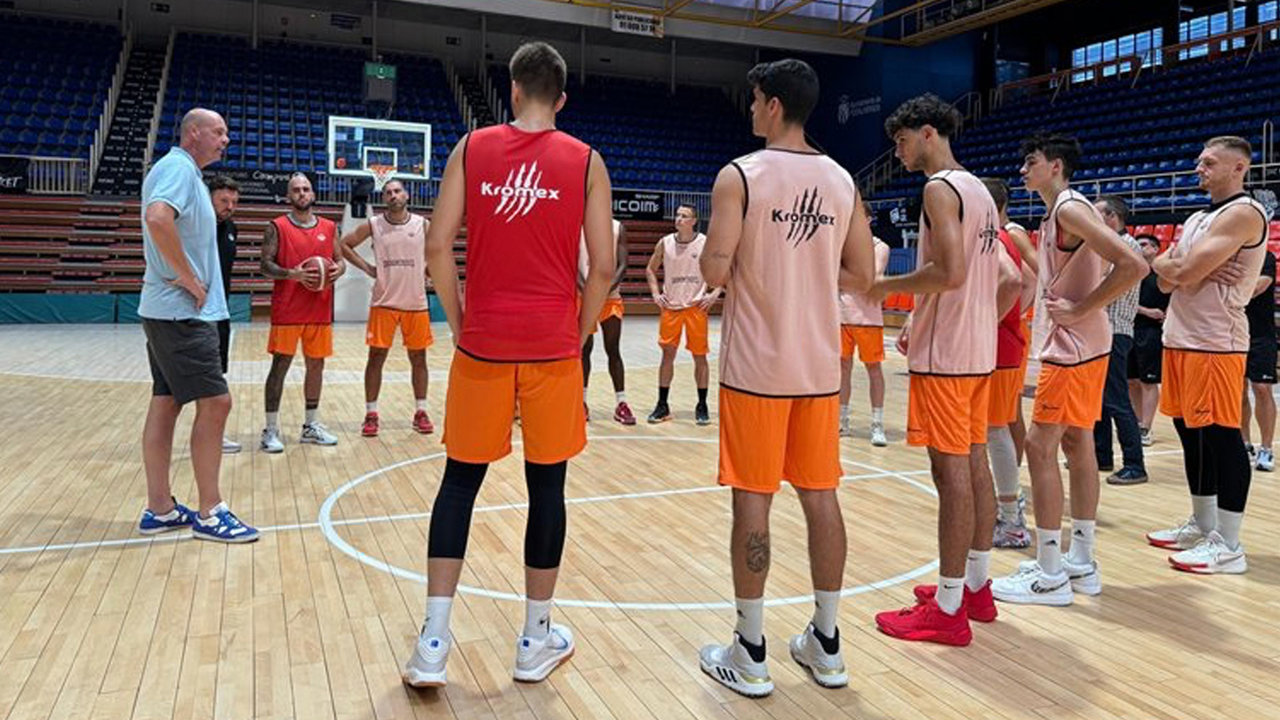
[175,181]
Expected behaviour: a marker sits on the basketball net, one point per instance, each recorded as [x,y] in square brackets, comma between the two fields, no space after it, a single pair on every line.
[381,175]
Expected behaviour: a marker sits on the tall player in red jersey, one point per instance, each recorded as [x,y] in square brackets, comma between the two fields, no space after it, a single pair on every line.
[299,311]
[528,192]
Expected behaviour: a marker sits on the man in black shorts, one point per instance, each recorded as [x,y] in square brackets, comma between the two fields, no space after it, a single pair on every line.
[1260,368]
[1144,361]
[182,300]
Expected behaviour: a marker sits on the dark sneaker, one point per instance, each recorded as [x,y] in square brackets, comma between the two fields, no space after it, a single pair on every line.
[1127,476]
[702,415]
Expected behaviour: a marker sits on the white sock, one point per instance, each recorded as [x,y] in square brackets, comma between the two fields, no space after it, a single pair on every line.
[420,403]
[1004,467]
[1008,511]
[844,412]
[371,407]
[537,618]
[273,420]
[437,623]
[825,604]
[1049,550]
[620,396]
[877,415]
[1205,508]
[1229,527]
[1082,543]
[750,619]
[311,415]
[950,594]
[169,516]
[977,569]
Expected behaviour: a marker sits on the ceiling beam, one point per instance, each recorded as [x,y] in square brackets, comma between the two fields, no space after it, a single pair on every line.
[674,7]
[781,13]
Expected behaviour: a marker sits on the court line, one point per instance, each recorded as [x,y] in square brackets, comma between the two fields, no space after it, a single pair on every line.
[180,536]
[350,550]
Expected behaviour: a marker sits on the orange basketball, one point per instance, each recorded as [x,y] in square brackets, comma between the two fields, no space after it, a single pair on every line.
[324,265]
[340,163]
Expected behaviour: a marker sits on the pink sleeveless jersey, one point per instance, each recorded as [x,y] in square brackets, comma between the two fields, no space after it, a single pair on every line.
[858,309]
[1211,318]
[1071,275]
[681,275]
[780,335]
[954,332]
[399,251]
[584,267]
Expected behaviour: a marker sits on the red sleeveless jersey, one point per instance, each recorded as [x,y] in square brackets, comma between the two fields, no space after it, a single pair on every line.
[526,194]
[291,303]
[1010,342]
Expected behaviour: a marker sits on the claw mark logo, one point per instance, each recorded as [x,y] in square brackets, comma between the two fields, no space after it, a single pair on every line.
[520,192]
[805,217]
[989,234]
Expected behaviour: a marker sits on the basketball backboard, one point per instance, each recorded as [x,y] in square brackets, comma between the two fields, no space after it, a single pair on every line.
[360,146]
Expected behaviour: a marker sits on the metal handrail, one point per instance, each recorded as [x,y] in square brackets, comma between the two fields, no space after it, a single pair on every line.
[109,108]
[154,130]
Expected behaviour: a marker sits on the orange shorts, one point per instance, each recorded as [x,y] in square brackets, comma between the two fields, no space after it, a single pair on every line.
[1203,388]
[480,406]
[317,340]
[415,328]
[869,342]
[1071,395]
[612,308]
[948,413]
[693,321]
[1006,393]
[765,440]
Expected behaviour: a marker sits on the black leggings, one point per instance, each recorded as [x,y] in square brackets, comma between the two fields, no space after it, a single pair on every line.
[544,533]
[1216,463]
[612,331]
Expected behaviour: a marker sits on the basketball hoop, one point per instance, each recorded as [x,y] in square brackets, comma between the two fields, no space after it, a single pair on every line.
[381,175]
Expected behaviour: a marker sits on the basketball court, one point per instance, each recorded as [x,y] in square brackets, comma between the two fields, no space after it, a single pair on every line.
[315,619]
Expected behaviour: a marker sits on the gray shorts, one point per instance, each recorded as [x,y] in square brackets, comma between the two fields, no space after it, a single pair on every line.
[185,359]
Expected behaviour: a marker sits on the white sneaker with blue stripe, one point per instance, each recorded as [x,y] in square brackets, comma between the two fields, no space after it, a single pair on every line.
[427,666]
[222,526]
[537,657]
[179,517]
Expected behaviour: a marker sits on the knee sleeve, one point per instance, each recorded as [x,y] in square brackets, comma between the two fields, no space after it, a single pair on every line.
[451,513]
[1231,460]
[1004,461]
[544,534]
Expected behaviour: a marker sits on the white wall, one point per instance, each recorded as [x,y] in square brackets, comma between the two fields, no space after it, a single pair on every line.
[235,16]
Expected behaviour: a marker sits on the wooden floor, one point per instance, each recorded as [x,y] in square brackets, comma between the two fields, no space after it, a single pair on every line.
[314,620]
